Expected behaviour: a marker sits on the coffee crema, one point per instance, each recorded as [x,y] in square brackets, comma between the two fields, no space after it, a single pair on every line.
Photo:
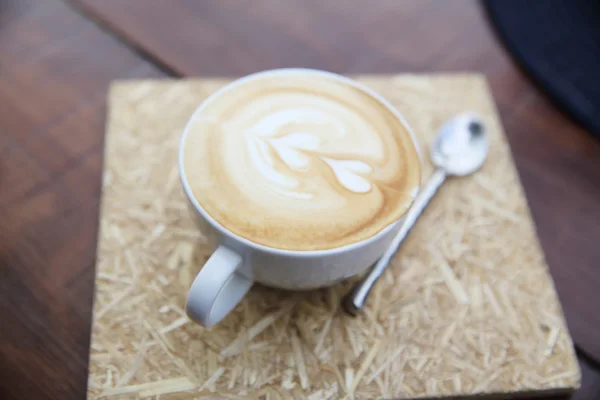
[300,160]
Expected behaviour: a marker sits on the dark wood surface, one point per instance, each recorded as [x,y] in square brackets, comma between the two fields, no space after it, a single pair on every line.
[55,67]
[57,59]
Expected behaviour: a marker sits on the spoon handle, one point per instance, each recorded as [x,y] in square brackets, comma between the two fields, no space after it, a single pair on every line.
[355,299]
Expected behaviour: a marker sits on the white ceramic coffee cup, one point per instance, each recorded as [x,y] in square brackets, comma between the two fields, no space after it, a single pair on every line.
[237,263]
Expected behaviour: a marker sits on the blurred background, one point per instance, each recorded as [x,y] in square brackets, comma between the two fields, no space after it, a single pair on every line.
[58,58]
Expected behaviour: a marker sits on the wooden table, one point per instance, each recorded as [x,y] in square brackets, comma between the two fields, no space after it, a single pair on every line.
[57,58]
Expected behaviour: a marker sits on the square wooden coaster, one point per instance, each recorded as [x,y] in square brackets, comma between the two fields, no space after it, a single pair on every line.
[468,307]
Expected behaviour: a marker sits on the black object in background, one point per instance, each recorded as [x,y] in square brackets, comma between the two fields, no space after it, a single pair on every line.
[558,43]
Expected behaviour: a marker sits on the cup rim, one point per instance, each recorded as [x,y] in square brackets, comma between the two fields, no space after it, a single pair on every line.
[284,252]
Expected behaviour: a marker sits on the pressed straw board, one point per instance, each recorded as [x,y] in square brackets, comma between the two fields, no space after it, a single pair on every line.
[467,307]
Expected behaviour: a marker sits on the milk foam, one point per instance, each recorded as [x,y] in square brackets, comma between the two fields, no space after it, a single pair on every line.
[300,161]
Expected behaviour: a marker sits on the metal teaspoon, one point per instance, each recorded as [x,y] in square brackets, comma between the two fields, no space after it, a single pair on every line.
[459,149]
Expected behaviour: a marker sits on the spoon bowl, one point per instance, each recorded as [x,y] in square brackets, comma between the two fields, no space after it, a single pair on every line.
[461,145]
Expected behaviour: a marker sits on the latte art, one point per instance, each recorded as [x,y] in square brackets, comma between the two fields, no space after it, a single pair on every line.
[300,148]
[300,160]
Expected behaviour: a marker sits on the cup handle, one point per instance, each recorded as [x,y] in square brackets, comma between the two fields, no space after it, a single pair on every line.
[218,288]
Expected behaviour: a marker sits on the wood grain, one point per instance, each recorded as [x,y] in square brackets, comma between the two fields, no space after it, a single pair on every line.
[558,162]
[54,73]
